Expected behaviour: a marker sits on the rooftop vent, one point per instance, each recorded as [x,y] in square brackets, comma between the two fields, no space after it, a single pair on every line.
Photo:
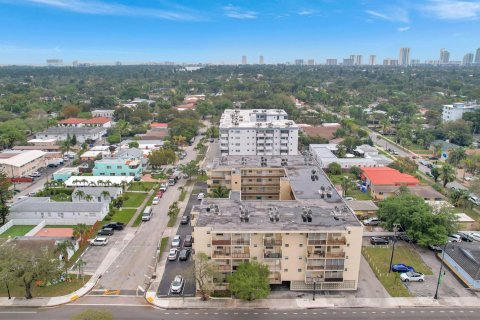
[314,175]
[273,214]
[244,215]
[307,215]
[284,162]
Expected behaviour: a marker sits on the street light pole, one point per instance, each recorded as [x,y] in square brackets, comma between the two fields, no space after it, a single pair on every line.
[314,289]
[395,228]
[440,272]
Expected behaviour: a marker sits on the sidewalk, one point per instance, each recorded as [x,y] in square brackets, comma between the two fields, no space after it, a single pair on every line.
[50,301]
[308,303]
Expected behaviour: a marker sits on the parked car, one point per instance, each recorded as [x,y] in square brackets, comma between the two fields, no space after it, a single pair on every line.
[185,220]
[402,268]
[159,194]
[155,200]
[474,199]
[435,247]
[465,237]
[200,196]
[378,240]
[106,232]
[184,254]
[454,238]
[371,222]
[412,276]
[177,241]
[147,213]
[406,238]
[173,254]
[115,225]
[35,174]
[475,236]
[164,187]
[348,199]
[177,284]
[188,241]
[22,197]
[99,241]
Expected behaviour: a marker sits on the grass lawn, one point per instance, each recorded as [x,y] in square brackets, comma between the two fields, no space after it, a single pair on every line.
[419,149]
[359,195]
[50,291]
[142,186]
[17,230]
[182,196]
[134,199]
[163,245]
[123,216]
[379,259]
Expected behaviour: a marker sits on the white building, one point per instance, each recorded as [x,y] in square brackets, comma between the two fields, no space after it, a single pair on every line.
[18,164]
[82,133]
[59,213]
[452,112]
[93,181]
[258,132]
[103,113]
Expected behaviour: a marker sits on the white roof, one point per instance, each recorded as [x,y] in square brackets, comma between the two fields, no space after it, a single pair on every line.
[41,140]
[76,181]
[90,154]
[100,148]
[67,169]
[462,217]
[23,158]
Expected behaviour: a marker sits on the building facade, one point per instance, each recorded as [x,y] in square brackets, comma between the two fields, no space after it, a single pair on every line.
[118,167]
[19,164]
[404,57]
[257,132]
[452,112]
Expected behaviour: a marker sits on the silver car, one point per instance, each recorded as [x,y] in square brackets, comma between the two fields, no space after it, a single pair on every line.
[173,254]
[177,284]
[176,242]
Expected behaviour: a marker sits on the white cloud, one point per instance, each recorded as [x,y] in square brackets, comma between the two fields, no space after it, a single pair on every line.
[306,12]
[452,9]
[239,13]
[396,13]
[99,7]
[403,29]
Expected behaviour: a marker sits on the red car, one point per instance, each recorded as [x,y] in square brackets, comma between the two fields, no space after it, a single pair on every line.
[160,194]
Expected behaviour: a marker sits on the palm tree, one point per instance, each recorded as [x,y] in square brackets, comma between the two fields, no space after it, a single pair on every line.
[460,198]
[100,182]
[65,146]
[456,155]
[447,174]
[108,183]
[88,198]
[105,194]
[220,192]
[437,150]
[63,247]
[80,194]
[80,264]
[80,231]
[347,183]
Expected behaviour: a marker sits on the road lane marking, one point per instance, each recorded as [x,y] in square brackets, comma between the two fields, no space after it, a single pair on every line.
[17,312]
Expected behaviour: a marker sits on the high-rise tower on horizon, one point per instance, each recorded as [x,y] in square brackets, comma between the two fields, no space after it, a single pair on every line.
[244,59]
[404,57]
[467,59]
[477,56]
[444,56]
[372,60]
[260,60]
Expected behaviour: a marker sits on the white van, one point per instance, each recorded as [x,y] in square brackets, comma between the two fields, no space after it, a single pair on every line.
[147,213]
[474,199]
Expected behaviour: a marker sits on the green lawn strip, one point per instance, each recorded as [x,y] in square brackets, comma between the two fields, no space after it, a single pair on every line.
[135,199]
[359,195]
[163,246]
[17,230]
[379,259]
[138,220]
[56,290]
[182,196]
[123,215]
[142,186]
[172,219]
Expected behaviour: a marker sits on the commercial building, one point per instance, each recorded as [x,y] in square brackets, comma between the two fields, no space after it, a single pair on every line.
[127,162]
[60,213]
[331,62]
[43,142]
[376,179]
[64,173]
[404,57]
[477,56]
[444,56]
[83,134]
[372,60]
[17,164]
[311,62]
[103,113]
[299,62]
[282,212]
[452,112]
[348,62]
[365,157]
[467,59]
[257,132]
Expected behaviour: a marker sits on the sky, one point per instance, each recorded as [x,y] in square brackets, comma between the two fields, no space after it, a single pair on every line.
[218,31]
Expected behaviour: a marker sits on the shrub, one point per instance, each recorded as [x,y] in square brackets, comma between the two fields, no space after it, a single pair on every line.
[108,218]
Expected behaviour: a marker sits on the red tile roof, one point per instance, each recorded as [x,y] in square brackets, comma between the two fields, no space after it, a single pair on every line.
[55,232]
[158,125]
[186,106]
[97,120]
[389,176]
[71,121]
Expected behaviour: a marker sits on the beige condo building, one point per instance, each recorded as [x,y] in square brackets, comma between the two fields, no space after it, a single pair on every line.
[282,212]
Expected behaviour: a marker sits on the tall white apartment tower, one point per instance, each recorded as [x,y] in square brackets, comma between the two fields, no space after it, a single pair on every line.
[372,60]
[444,56]
[477,56]
[404,57]
[261,60]
[358,60]
[244,59]
[257,132]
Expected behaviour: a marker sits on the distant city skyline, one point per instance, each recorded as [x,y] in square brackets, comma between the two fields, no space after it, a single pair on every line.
[221,32]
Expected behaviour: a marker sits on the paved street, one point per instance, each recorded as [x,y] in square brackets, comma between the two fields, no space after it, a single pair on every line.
[145,312]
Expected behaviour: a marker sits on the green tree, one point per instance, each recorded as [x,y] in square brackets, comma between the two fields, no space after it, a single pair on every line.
[334,168]
[133,144]
[5,195]
[161,157]
[220,192]
[70,111]
[250,281]
[8,259]
[356,171]
[417,219]
[74,140]
[205,271]
[81,231]
[114,138]
[460,198]
[92,314]
[435,172]
[447,174]
[63,247]
[404,165]
[190,169]
[347,184]
[456,155]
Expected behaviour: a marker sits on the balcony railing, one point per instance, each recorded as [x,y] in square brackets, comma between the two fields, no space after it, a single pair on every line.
[316,255]
[337,241]
[241,242]
[224,268]
[221,242]
[272,255]
[316,242]
[315,267]
[335,255]
[272,242]
[240,255]
[334,267]
[220,254]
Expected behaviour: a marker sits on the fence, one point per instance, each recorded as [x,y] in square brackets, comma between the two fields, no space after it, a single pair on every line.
[19,222]
[35,230]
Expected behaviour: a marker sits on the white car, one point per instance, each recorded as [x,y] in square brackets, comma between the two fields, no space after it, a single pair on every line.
[349,199]
[156,200]
[35,174]
[475,236]
[177,284]
[200,196]
[173,254]
[22,197]
[99,241]
[454,238]
[176,242]
[412,276]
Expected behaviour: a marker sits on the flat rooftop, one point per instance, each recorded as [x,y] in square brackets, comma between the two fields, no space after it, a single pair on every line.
[325,216]
[247,118]
[254,161]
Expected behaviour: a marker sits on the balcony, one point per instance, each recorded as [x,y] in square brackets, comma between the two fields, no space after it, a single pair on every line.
[335,255]
[242,253]
[315,267]
[315,254]
[241,241]
[337,241]
[224,268]
[316,242]
[269,254]
[334,267]
[221,242]
[221,254]
[275,277]
[284,135]
[271,242]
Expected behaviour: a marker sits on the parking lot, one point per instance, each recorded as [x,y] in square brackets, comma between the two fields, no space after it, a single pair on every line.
[184,268]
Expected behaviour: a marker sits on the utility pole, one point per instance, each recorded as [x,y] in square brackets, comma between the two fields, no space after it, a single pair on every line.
[395,228]
[314,289]
[440,272]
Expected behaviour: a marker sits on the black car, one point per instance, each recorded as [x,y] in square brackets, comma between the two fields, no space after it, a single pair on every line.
[184,254]
[188,241]
[465,237]
[185,220]
[106,232]
[114,225]
[378,240]
[406,238]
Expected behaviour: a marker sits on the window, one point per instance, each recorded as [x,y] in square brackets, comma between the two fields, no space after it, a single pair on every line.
[300,258]
[285,270]
[299,270]
[109,167]
[286,258]
[119,167]
[286,245]
[60,214]
[300,245]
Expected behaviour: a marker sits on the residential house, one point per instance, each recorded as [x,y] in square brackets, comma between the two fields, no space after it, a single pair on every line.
[363,208]
[102,113]
[118,167]
[64,173]
[425,192]
[93,122]
[376,179]
[83,134]
[463,258]
[17,164]
[445,147]
[366,157]
[62,213]
[42,142]
[98,194]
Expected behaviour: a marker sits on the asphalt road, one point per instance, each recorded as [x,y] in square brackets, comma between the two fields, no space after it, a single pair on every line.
[147,312]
